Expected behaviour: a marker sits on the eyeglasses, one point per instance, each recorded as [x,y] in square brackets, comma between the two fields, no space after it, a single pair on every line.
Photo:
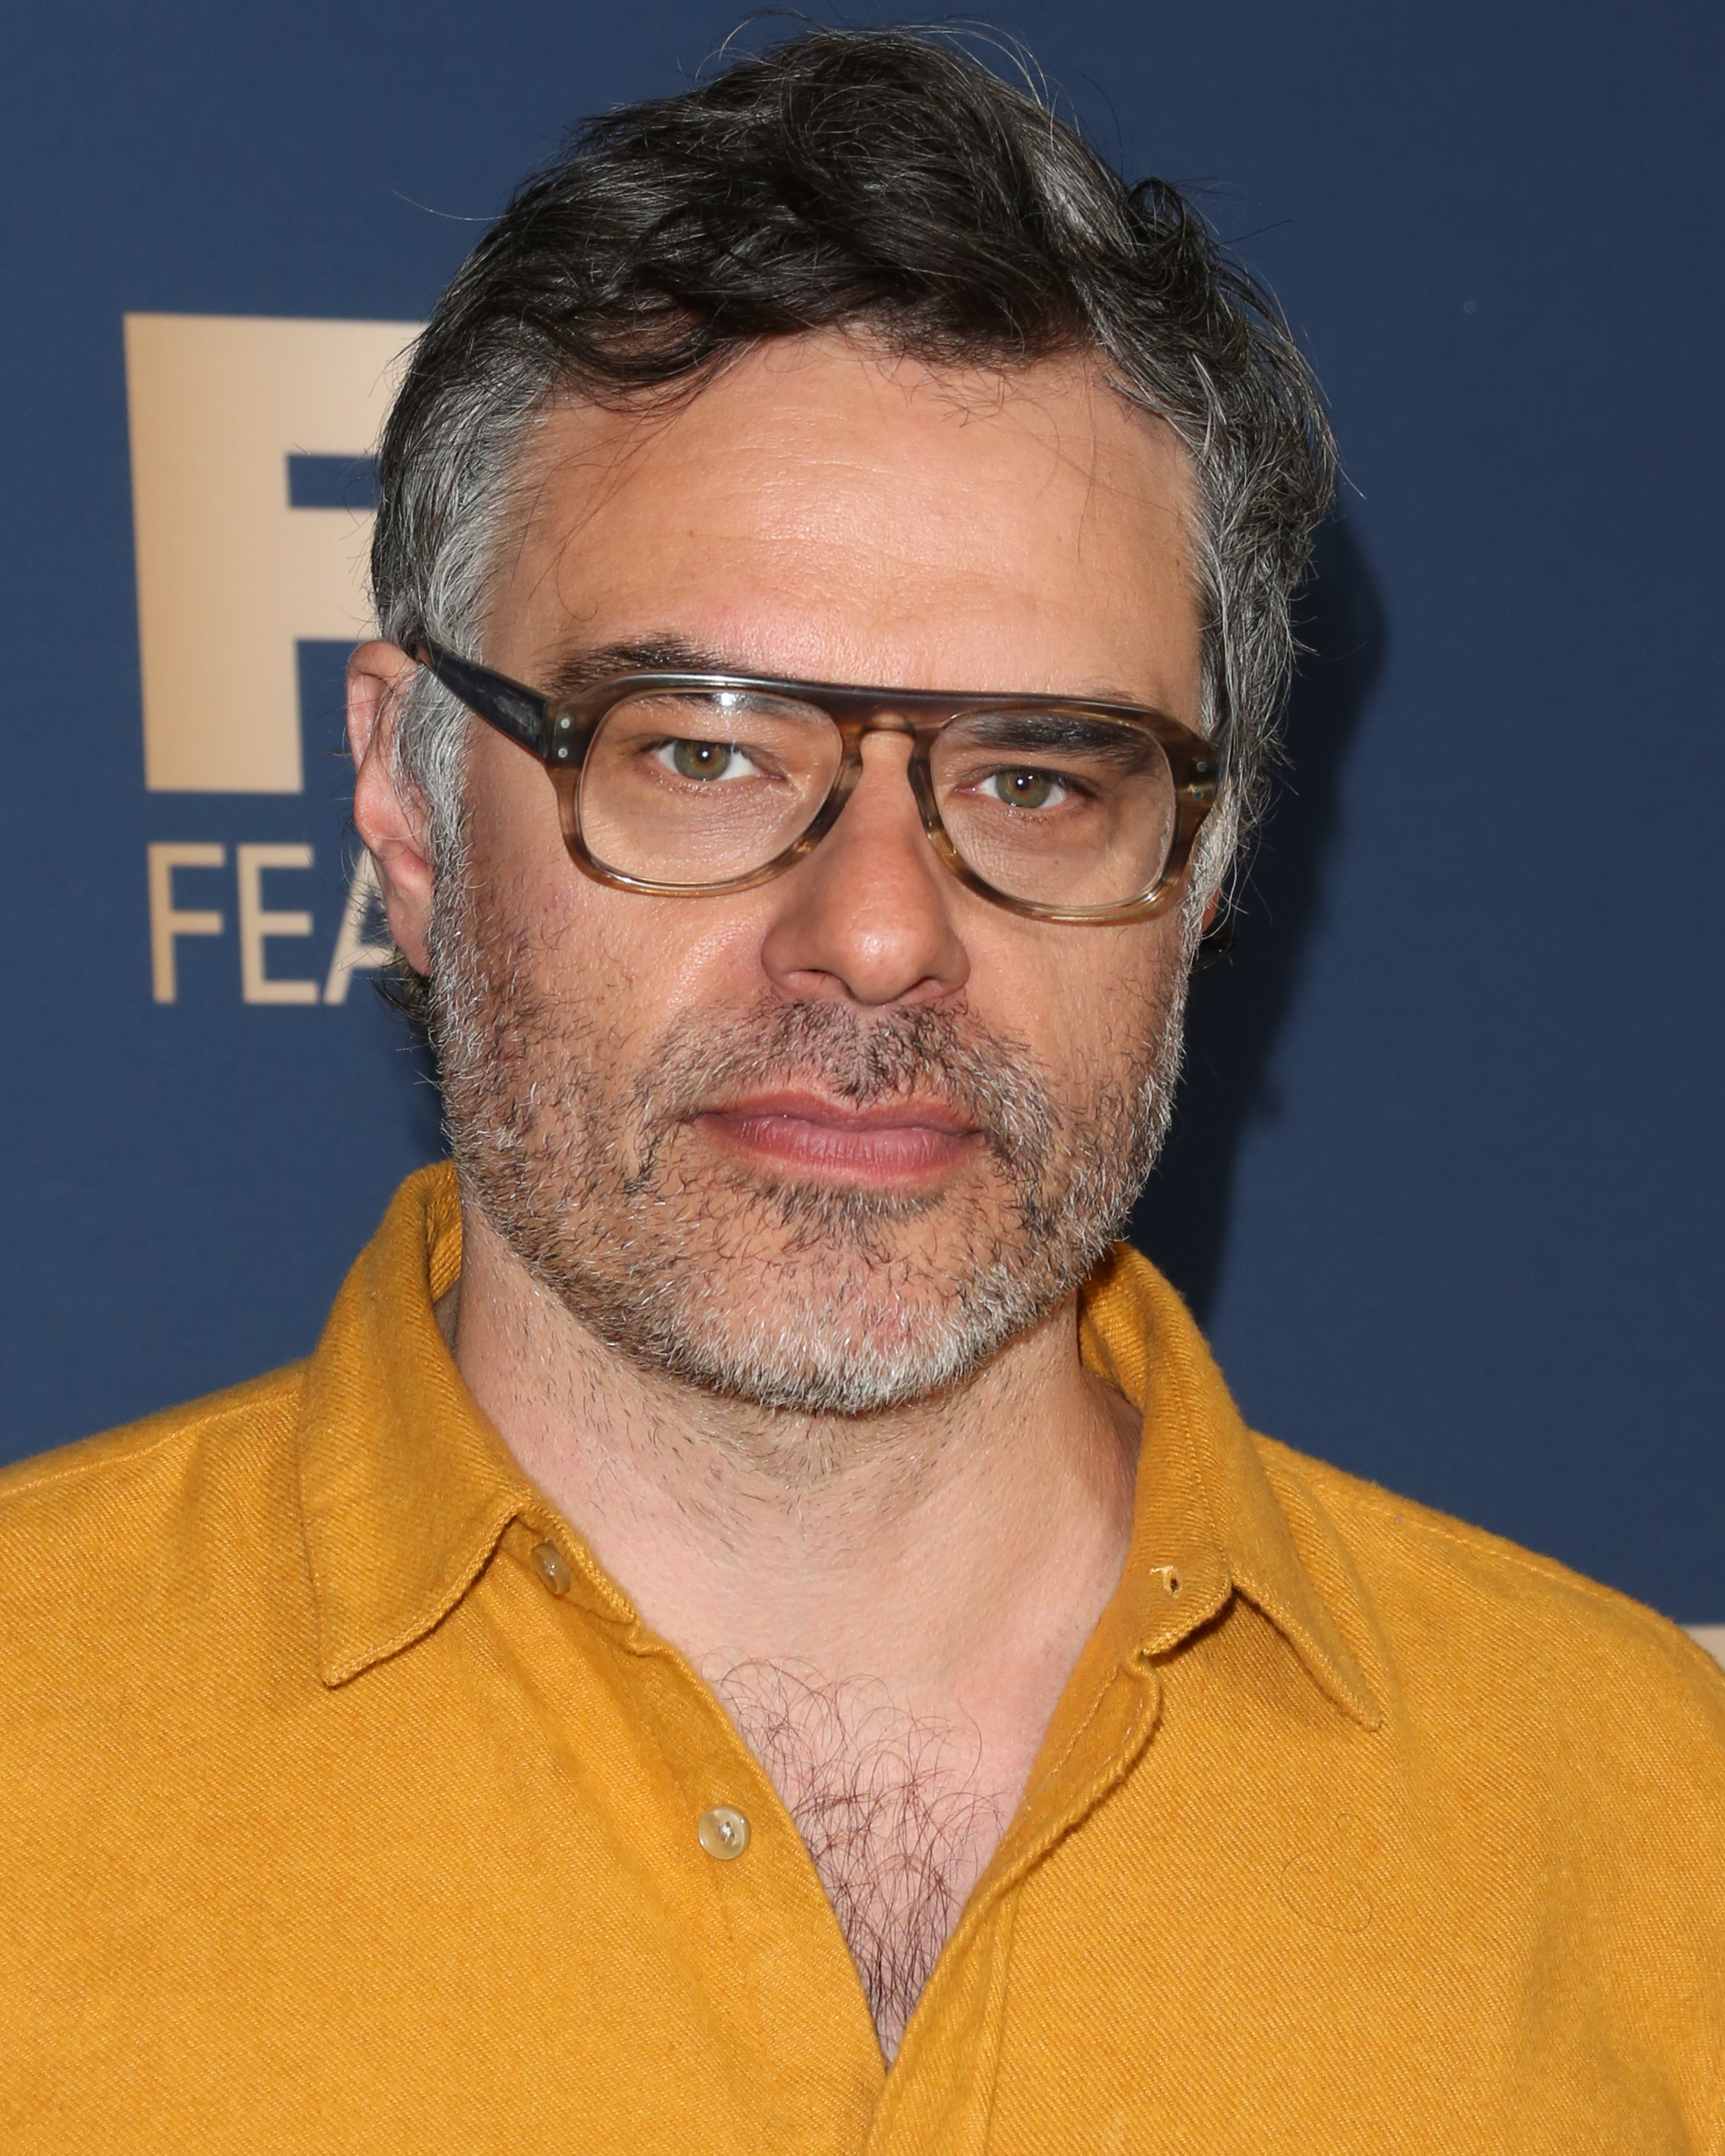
[681,785]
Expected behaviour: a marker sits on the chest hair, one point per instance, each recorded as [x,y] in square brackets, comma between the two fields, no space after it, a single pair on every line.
[892,1811]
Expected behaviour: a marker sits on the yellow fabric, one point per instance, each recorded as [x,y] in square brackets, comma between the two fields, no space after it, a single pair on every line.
[328,1826]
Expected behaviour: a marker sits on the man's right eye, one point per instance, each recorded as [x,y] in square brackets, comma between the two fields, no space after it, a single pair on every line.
[705,759]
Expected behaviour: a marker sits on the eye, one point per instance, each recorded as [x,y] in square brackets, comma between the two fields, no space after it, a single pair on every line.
[1024,787]
[691,758]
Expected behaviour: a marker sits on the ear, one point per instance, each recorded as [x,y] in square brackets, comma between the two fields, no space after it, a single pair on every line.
[389,816]
[1210,913]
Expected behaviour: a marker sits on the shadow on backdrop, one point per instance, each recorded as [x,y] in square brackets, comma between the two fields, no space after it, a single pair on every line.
[1239,1004]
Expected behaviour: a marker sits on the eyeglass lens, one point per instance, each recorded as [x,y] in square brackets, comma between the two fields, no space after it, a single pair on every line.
[687,789]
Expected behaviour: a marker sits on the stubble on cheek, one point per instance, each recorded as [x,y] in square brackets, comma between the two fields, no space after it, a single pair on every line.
[576,1138]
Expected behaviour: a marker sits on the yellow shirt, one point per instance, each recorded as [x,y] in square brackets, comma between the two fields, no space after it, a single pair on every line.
[346,1806]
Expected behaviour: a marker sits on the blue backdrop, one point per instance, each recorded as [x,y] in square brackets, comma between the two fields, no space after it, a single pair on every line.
[1446,1183]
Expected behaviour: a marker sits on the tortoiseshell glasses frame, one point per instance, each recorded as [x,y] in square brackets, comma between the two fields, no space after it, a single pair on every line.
[1022,735]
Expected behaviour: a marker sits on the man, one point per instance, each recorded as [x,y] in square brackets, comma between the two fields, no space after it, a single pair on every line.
[760,1627]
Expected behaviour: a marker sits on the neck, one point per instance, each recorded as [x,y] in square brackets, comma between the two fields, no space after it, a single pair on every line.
[881,1545]
[922,1580]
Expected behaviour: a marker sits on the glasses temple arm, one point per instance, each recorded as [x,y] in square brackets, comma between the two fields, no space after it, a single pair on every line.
[502,703]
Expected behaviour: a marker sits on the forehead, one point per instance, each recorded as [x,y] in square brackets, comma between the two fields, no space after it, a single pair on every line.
[824,510]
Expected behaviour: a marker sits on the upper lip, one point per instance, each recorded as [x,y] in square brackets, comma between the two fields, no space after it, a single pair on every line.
[906,1112]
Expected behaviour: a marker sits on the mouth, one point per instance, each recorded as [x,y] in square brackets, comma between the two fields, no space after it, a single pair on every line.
[900,1144]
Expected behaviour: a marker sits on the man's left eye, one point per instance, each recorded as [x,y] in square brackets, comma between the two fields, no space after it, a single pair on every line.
[705,759]
[1022,788]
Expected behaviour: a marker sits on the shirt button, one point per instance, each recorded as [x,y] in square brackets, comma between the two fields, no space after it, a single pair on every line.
[552,1567]
[724,1832]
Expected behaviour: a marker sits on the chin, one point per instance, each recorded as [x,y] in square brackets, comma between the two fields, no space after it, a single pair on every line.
[825,1323]
[798,1363]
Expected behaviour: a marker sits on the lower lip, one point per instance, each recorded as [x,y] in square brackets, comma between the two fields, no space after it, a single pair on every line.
[872,1153]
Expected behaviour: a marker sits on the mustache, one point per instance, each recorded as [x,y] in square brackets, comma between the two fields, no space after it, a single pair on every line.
[995,1080]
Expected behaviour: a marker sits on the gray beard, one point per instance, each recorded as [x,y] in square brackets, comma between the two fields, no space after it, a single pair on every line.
[575,1146]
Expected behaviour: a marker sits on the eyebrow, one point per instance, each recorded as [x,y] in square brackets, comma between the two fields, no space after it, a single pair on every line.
[1054,733]
[586,666]
[583,669]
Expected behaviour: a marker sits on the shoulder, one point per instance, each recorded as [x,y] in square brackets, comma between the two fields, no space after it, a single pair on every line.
[108,1522]
[158,1448]
[1475,1629]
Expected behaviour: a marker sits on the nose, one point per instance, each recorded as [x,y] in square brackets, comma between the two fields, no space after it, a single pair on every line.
[865,917]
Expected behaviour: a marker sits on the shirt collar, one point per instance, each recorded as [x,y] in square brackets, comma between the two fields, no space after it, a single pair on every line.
[1208,1521]
[406,1489]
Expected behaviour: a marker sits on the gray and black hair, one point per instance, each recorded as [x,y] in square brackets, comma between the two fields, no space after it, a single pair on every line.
[882,181]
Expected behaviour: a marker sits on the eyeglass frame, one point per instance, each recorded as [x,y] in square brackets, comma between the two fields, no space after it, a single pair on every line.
[560,731]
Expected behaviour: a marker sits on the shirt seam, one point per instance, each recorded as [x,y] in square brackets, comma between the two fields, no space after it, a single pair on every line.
[1416,1519]
[114,1463]
[1093,1791]
[1009,1916]
[1037,1848]
[1078,1735]
[1006,1916]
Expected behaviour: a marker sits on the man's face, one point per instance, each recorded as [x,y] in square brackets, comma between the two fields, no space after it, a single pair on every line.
[824,1144]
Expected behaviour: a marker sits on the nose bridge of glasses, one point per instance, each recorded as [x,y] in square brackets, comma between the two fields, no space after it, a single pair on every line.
[859,723]
[888,728]
[892,722]
[911,770]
